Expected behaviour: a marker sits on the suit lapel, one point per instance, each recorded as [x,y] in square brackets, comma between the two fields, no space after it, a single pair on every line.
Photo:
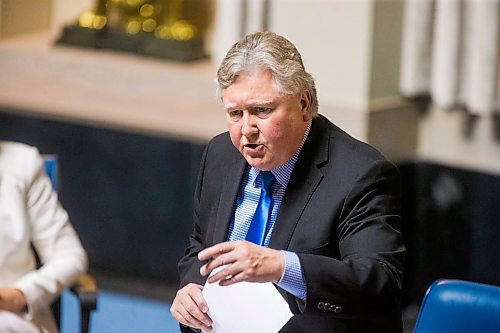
[305,178]
[230,187]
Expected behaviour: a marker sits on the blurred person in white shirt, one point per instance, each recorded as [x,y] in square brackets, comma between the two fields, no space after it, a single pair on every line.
[31,215]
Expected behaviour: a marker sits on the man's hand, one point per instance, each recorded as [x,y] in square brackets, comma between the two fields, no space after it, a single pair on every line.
[189,308]
[245,262]
[12,299]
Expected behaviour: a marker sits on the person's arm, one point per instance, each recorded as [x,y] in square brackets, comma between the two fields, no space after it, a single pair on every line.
[368,275]
[189,265]
[61,254]
[189,308]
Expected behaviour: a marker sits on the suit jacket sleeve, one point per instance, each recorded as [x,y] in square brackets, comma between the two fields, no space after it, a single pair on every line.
[189,265]
[219,176]
[364,277]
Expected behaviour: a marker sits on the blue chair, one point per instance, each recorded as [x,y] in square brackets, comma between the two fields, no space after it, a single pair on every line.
[50,165]
[459,306]
[85,289]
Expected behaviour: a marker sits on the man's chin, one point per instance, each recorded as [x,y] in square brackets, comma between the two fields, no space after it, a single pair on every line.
[258,163]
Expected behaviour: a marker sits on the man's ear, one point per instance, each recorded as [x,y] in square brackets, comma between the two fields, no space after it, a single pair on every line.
[305,104]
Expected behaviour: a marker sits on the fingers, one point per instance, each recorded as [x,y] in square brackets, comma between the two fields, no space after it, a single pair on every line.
[216,250]
[187,319]
[232,279]
[232,255]
[224,274]
[243,261]
[189,308]
[219,262]
[217,256]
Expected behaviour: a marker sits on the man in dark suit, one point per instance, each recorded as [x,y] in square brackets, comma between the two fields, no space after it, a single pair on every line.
[330,242]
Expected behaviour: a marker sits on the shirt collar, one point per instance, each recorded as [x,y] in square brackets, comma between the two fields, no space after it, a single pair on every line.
[283,172]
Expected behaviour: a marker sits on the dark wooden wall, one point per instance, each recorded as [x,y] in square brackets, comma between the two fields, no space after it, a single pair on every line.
[130,199]
[129,196]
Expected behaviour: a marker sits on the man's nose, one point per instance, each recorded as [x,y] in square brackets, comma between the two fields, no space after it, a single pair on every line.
[248,126]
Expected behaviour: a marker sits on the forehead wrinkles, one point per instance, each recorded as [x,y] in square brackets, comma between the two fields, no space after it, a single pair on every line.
[251,103]
[249,96]
[251,88]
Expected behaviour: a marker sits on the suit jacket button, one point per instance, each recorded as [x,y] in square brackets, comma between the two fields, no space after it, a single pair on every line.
[321,305]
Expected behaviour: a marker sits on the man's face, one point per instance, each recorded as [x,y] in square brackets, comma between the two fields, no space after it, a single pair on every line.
[265,127]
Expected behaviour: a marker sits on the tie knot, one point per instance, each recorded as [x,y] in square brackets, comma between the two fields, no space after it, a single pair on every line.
[267,178]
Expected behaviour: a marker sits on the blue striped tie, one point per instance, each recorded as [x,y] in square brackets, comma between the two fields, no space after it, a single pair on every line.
[257,231]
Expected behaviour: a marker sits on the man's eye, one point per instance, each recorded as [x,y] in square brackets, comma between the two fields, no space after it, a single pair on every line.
[261,110]
[235,114]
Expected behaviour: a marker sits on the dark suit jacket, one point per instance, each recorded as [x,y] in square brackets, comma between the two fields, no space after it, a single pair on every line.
[340,214]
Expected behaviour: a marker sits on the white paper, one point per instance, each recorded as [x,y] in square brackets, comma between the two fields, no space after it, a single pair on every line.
[246,307]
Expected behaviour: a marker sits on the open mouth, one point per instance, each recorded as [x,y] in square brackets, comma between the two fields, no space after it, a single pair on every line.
[252,145]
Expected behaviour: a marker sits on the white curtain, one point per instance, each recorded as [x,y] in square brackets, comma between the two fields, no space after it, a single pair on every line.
[233,20]
[450,51]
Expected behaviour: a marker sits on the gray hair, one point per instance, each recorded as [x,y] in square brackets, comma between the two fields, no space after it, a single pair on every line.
[275,53]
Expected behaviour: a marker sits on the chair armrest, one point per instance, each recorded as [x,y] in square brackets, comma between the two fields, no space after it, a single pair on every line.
[86,292]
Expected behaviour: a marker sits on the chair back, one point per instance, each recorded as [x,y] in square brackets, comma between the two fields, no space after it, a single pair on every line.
[459,306]
[85,290]
[50,165]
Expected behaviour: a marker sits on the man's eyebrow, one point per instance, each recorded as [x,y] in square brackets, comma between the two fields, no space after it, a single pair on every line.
[232,107]
[263,103]
[251,105]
